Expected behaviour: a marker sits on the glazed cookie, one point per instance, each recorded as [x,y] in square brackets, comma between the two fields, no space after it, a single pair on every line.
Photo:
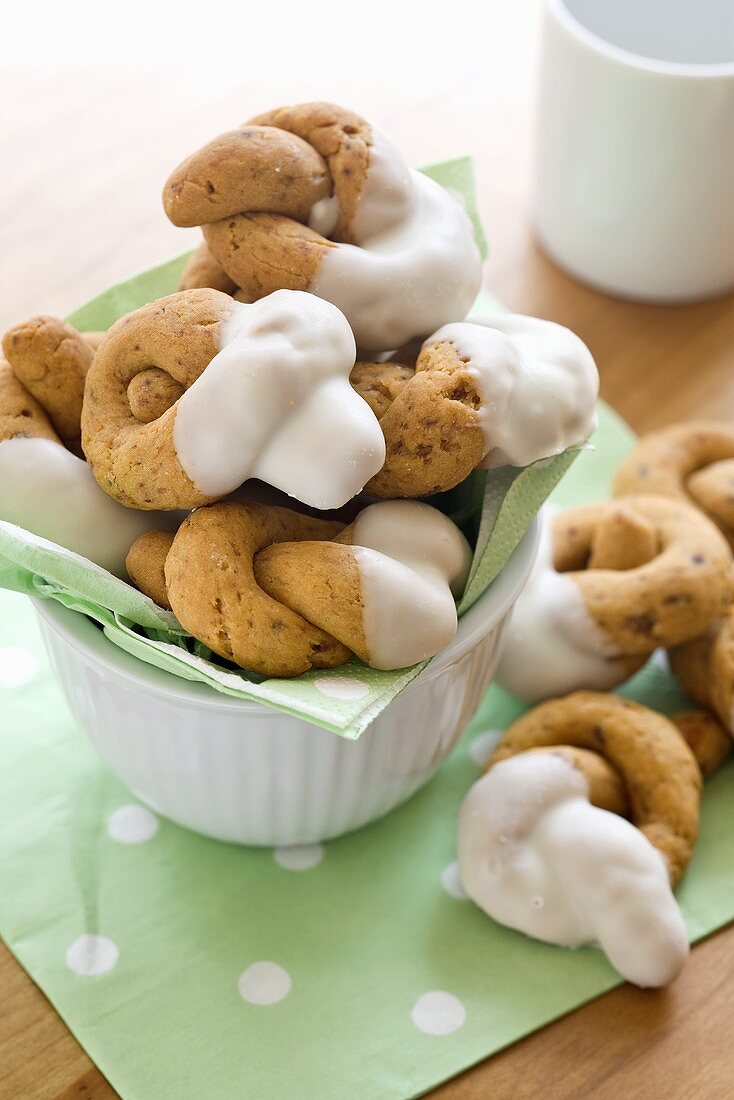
[191,395]
[704,667]
[659,770]
[542,847]
[214,593]
[508,391]
[51,359]
[48,491]
[613,581]
[692,461]
[313,198]
[206,576]
[279,593]
[385,586]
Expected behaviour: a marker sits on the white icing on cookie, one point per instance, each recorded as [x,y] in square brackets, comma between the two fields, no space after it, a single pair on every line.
[415,263]
[538,383]
[275,403]
[552,645]
[412,561]
[324,215]
[50,492]
[538,857]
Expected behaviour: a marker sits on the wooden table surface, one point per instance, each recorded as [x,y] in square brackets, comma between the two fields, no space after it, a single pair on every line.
[92,127]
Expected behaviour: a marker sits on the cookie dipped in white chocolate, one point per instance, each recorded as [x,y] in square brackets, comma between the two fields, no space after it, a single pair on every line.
[412,561]
[552,646]
[414,263]
[537,381]
[276,404]
[539,858]
[50,492]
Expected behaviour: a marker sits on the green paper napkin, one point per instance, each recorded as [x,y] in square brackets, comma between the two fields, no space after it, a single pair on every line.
[382,980]
[502,513]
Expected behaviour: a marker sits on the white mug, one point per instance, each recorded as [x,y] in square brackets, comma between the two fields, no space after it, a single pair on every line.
[635,145]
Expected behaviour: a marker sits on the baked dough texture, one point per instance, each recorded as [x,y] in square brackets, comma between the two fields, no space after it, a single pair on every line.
[253,189]
[693,461]
[214,588]
[51,360]
[672,573]
[21,416]
[429,412]
[704,667]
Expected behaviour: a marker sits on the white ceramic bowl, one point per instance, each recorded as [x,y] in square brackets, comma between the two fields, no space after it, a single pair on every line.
[240,771]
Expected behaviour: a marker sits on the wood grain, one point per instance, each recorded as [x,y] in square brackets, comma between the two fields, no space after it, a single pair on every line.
[87,148]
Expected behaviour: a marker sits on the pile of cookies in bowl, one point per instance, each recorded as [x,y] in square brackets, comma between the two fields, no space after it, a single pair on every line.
[588,812]
[259,451]
[262,453]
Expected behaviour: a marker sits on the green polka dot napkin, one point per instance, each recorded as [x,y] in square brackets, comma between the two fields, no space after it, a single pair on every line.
[494,508]
[190,969]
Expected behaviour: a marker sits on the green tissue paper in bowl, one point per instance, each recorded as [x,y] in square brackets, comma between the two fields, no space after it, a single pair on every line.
[496,506]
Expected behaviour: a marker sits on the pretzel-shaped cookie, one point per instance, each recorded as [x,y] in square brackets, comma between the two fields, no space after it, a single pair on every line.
[312,198]
[542,848]
[692,461]
[613,581]
[507,391]
[193,394]
[44,487]
[207,574]
[429,416]
[659,772]
[279,593]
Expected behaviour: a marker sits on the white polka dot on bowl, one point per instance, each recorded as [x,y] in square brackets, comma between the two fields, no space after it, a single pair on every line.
[438,1013]
[342,687]
[264,983]
[17,667]
[132,824]
[299,857]
[90,955]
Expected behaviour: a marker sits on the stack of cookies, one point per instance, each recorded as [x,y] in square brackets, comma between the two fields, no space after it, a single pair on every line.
[562,837]
[260,451]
